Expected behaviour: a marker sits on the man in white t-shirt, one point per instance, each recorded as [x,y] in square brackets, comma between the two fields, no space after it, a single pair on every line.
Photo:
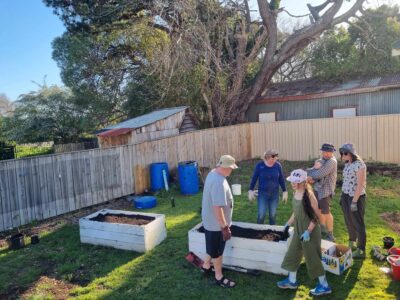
[216,213]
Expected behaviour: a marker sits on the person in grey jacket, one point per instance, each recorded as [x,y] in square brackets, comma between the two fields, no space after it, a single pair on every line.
[324,179]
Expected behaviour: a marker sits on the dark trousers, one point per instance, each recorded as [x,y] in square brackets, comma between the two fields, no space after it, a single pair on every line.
[355,219]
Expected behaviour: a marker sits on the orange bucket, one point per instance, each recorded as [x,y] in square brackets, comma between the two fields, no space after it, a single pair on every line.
[394,261]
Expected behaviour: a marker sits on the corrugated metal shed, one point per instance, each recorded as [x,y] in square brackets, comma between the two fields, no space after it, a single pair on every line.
[155,125]
[149,118]
[313,88]
[311,99]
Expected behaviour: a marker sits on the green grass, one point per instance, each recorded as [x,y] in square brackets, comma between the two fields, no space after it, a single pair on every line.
[106,273]
[27,151]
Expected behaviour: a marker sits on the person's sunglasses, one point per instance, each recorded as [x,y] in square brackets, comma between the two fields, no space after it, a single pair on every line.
[344,153]
[274,155]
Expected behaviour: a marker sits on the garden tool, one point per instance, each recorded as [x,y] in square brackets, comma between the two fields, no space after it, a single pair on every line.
[198,262]
[286,232]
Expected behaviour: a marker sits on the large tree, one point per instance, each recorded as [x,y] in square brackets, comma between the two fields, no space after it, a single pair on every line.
[99,67]
[48,114]
[217,43]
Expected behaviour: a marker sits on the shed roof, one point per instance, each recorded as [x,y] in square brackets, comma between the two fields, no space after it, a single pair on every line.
[149,118]
[314,88]
[115,132]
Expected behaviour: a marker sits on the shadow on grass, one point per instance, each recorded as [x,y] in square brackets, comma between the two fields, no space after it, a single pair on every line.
[59,255]
[394,288]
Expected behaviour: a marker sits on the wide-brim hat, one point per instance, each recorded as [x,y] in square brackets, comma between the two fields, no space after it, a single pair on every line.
[227,161]
[328,147]
[348,147]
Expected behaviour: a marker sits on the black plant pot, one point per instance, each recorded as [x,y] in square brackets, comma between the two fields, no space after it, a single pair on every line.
[388,242]
[16,241]
[34,239]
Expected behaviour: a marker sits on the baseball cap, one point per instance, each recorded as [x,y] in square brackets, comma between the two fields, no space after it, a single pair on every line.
[297,176]
[227,161]
[270,152]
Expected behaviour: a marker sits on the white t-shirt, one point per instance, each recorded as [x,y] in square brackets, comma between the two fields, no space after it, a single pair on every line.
[217,192]
[350,177]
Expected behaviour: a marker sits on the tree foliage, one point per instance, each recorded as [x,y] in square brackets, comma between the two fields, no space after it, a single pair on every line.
[363,49]
[210,54]
[6,106]
[99,67]
[45,115]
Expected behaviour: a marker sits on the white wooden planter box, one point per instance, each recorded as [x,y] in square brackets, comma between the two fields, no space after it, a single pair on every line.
[140,238]
[247,253]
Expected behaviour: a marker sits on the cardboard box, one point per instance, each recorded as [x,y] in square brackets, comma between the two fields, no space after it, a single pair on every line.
[336,258]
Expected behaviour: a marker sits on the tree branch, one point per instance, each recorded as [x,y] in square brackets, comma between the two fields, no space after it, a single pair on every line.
[294,16]
[351,12]
[260,41]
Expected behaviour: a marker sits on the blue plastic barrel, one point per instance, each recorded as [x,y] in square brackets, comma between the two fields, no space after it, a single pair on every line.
[145,202]
[188,177]
[156,175]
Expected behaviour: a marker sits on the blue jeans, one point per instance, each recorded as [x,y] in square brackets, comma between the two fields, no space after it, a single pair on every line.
[267,200]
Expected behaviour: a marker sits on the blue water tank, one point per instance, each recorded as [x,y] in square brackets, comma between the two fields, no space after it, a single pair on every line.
[145,202]
[156,175]
[188,177]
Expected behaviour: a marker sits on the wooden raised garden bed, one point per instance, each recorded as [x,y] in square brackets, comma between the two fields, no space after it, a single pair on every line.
[126,230]
[252,246]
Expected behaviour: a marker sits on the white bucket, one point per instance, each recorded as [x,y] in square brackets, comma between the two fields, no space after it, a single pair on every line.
[236,189]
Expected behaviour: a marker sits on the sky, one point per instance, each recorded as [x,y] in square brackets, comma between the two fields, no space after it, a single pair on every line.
[27,28]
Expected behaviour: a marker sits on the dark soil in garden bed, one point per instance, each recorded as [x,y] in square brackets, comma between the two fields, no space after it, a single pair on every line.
[392,218]
[123,219]
[255,234]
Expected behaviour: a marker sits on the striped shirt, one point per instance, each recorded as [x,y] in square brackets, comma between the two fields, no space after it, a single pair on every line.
[325,178]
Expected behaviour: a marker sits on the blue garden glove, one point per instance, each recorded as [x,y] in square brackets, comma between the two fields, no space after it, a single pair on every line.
[305,237]
[353,206]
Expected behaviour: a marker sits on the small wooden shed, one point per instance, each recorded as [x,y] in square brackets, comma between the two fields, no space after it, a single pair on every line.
[157,124]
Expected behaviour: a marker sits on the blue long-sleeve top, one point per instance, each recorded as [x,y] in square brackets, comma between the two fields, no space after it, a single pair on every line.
[269,178]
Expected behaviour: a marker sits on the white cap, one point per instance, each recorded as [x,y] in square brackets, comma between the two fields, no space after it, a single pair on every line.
[297,176]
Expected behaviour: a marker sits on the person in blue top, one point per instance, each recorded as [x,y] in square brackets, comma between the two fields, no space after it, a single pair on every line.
[269,175]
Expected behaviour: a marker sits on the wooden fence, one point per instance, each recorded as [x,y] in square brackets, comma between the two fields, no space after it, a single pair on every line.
[41,187]
[377,138]
[62,148]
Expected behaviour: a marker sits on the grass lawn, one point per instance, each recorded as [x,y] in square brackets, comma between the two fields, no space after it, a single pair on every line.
[28,151]
[60,266]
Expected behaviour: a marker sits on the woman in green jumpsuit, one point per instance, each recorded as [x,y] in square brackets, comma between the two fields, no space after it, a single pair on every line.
[306,240]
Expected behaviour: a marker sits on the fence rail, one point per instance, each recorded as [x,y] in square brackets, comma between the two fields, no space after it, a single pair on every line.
[41,187]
